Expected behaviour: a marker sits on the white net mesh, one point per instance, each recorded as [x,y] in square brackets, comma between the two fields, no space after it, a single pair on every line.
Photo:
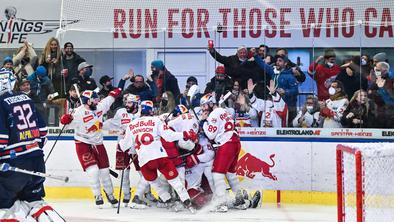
[377,179]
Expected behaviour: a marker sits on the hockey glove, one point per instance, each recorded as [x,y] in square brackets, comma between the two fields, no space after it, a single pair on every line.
[66,119]
[115,93]
[192,160]
[191,135]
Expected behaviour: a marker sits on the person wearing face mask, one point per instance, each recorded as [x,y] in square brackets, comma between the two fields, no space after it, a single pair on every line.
[84,79]
[309,115]
[358,113]
[324,73]
[220,83]
[191,80]
[167,103]
[333,108]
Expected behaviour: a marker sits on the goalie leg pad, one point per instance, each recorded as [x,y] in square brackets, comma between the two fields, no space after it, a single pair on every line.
[43,212]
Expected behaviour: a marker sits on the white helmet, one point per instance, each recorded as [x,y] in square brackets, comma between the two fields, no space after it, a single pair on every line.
[7,81]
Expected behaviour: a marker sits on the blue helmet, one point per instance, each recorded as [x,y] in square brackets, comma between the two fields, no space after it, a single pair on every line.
[179,110]
[89,95]
[146,107]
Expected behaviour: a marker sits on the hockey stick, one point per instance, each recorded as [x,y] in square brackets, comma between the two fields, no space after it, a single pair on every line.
[4,167]
[120,191]
[64,126]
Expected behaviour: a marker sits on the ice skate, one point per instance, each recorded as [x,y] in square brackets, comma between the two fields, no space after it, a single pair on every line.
[149,196]
[99,201]
[188,205]
[111,199]
[239,199]
[126,199]
[137,203]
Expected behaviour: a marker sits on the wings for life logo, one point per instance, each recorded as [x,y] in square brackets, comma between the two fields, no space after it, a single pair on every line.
[249,165]
[15,30]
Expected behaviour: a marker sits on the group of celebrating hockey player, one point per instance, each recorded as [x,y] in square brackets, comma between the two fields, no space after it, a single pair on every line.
[194,153]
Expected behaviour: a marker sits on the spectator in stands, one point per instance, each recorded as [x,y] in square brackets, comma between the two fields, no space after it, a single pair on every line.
[309,115]
[24,61]
[51,59]
[358,113]
[8,64]
[298,74]
[139,87]
[351,78]
[106,86]
[24,87]
[161,80]
[220,83]
[286,85]
[366,66]
[42,87]
[69,103]
[324,73]
[167,103]
[70,60]
[238,67]
[191,80]
[263,51]
[332,109]
[84,80]
[379,57]
[385,90]
[245,115]
[272,107]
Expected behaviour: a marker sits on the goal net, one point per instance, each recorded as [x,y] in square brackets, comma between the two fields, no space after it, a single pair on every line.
[365,178]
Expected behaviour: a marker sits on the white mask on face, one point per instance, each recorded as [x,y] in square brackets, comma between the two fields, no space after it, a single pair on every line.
[329,64]
[377,73]
[363,62]
[309,108]
[331,91]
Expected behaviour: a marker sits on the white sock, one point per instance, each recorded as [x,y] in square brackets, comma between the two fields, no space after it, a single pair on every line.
[234,182]
[179,187]
[94,179]
[105,179]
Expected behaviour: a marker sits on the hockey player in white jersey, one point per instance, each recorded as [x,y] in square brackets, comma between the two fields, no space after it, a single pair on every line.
[118,125]
[143,136]
[273,107]
[219,127]
[199,164]
[87,121]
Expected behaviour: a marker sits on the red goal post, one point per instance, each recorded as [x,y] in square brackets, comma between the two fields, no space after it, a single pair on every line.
[365,180]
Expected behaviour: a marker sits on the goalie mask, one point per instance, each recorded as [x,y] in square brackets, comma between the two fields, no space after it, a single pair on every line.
[7,81]
[130,102]
[90,98]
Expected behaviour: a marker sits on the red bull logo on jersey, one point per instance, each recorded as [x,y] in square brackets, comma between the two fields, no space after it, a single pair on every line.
[249,165]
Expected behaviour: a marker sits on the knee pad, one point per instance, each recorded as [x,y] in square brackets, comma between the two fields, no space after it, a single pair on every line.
[42,212]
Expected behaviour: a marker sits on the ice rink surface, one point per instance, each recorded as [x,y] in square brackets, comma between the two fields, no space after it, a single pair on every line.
[86,211]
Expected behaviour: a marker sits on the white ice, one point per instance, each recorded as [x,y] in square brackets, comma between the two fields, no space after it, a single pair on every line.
[86,211]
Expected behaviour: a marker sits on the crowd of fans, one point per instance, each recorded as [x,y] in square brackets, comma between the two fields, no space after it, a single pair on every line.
[263,88]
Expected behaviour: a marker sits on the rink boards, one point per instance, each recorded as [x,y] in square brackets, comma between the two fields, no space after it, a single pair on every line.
[297,168]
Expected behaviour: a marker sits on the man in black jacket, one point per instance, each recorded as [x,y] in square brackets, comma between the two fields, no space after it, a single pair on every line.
[84,80]
[70,60]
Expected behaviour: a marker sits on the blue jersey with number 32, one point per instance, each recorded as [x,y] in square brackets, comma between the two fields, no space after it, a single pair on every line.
[22,130]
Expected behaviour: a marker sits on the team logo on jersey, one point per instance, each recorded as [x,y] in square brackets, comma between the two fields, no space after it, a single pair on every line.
[15,30]
[87,118]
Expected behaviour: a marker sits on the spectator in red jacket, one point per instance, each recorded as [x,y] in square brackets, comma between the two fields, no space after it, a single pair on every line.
[324,73]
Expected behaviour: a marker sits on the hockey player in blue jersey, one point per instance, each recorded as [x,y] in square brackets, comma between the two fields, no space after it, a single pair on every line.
[22,137]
